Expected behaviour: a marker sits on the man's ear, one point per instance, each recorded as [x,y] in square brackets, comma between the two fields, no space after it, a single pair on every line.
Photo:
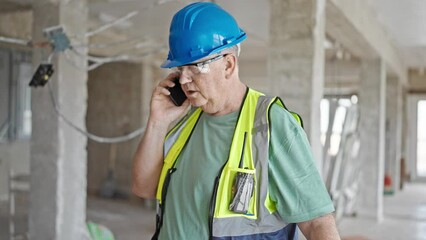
[230,65]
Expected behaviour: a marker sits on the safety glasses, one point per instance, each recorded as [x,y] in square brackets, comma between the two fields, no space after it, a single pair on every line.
[200,67]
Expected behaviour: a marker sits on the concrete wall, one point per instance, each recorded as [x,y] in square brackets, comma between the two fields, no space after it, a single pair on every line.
[16,24]
[254,74]
[341,77]
[114,109]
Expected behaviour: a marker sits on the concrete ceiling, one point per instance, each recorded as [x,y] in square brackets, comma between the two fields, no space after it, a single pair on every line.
[152,22]
[403,21]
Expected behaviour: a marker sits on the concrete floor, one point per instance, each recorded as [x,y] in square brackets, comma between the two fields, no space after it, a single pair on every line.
[126,221]
[405,218]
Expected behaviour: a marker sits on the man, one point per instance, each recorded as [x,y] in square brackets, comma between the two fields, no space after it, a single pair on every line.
[238,164]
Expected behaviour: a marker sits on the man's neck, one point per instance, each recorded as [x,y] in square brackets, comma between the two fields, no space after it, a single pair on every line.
[236,94]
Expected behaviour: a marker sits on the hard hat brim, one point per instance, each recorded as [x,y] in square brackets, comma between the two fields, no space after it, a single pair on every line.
[176,63]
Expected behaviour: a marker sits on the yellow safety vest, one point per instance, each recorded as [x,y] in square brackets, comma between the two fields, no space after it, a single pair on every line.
[253,122]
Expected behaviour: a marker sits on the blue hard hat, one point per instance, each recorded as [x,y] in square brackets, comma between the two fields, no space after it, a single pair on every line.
[198,30]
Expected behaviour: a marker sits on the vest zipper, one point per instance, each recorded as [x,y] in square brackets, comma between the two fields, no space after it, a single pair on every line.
[213,201]
[213,204]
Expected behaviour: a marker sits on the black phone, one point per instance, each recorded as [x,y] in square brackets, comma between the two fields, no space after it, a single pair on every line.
[176,93]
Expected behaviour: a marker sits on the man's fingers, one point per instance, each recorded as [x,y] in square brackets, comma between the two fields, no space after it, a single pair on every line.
[166,83]
[169,80]
[161,90]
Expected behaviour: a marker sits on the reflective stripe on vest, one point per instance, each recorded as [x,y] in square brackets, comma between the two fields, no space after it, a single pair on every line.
[175,141]
[253,122]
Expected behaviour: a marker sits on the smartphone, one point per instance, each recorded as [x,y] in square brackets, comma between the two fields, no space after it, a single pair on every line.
[176,93]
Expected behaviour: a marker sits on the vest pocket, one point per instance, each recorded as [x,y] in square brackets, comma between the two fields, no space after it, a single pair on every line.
[242,192]
[237,193]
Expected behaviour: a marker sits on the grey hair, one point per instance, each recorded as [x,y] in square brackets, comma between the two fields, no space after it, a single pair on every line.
[236,49]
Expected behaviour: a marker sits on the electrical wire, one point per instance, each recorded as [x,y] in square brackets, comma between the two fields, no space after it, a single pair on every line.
[74,64]
[129,15]
[49,59]
[91,136]
[109,44]
[98,61]
[14,40]
[106,26]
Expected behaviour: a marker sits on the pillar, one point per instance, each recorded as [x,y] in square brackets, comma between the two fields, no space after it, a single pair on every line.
[296,61]
[372,97]
[58,152]
[393,130]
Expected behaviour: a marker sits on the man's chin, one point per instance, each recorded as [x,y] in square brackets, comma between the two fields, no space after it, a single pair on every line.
[196,103]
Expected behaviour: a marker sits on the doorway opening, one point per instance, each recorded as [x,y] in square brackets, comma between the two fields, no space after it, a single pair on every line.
[421,139]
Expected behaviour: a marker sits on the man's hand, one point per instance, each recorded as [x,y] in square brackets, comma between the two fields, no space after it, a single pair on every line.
[148,160]
[163,109]
[321,228]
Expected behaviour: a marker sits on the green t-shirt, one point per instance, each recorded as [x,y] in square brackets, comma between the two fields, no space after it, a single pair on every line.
[294,182]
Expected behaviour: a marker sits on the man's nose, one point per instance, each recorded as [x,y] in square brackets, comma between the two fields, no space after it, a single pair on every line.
[184,78]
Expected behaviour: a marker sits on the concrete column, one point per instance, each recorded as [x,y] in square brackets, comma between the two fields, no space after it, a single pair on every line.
[404,136]
[372,96]
[296,61]
[58,152]
[341,76]
[393,130]
[399,135]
